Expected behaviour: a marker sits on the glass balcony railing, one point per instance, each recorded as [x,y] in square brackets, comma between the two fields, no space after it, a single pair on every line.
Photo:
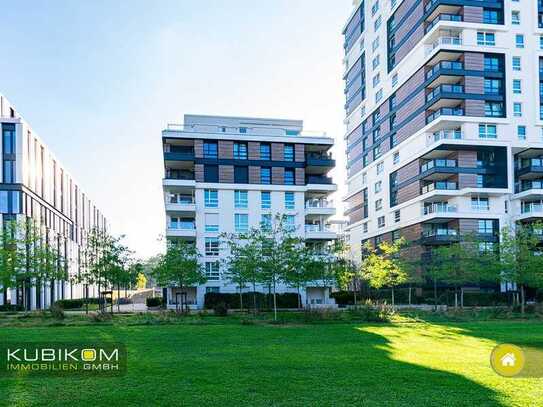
[182,226]
[182,175]
[319,203]
[438,163]
[449,65]
[446,134]
[445,111]
[444,41]
[531,207]
[442,17]
[439,232]
[313,179]
[182,200]
[531,162]
[317,228]
[527,185]
[436,208]
[445,88]
[440,185]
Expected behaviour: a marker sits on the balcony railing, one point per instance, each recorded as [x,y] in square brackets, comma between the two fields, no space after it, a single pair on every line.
[443,17]
[444,41]
[531,207]
[440,185]
[318,203]
[317,228]
[188,200]
[445,111]
[439,232]
[438,163]
[182,175]
[445,88]
[182,226]
[313,179]
[527,185]
[449,65]
[179,155]
[446,134]
[439,208]
[531,162]
[319,159]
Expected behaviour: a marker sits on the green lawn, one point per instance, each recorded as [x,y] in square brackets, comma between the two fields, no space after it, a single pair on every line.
[230,364]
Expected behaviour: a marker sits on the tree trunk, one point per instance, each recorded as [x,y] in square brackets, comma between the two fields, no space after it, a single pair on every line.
[455,298]
[274,302]
[435,294]
[86,289]
[354,292]
[409,295]
[240,300]
[392,293]
[118,298]
[522,300]
[461,297]
[254,297]
[300,297]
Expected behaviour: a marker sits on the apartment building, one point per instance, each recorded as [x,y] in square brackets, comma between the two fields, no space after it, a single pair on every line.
[229,174]
[444,119]
[35,185]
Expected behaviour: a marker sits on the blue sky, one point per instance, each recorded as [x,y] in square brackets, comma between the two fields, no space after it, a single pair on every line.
[99,80]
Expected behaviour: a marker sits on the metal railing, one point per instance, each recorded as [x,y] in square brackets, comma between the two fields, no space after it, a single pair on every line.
[445,88]
[440,185]
[527,185]
[445,134]
[248,130]
[531,207]
[452,65]
[439,232]
[182,226]
[439,208]
[442,17]
[318,228]
[439,162]
[318,203]
[445,111]
[531,162]
[314,179]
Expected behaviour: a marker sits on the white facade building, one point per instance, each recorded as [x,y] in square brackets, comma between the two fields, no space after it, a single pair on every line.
[444,120]
[35,185]
[229,174]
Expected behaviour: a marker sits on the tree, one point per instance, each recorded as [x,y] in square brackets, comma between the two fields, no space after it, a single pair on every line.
[345,271]
[180,266]
[384,268]
[9,259]
[521,258]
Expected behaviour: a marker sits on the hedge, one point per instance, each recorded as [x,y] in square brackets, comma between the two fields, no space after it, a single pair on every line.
[263,301]
[154,301]
[77,303]
[11,308]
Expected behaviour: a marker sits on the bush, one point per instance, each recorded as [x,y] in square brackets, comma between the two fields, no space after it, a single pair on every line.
[124,301]
[263,301]
[221,309]
[154,301]
[56,311]
[11,308]
[69,304]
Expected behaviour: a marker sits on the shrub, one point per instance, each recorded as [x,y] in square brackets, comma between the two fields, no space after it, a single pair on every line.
[154,301]
[221,309]
[56,311]
[124,301]
[263,301]
[69,304]
[100,317]
[11,308]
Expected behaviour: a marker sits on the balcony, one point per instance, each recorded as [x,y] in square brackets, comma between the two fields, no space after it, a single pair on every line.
[532,208]
[179,156]
[183,229]
[444,41]
[530,168]
[183,205]
[445,67]
[439,186]
[319,207]
[319,231]
[440,236]
[445,91]
[320,160]
[439,209]
[445,134]
[529,188]
[442,17]
[445,111]
[438,164]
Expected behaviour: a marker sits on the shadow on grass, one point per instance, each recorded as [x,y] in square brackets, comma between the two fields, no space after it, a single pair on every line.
[324,365]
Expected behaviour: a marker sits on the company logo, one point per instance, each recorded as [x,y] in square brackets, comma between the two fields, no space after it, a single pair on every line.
[103,359]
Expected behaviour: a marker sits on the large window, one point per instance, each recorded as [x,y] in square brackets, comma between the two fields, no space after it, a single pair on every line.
[265,151]
[288,152]
[212,246]
[492,86]
[212,222]
[265,200]
[266,221]
[241,222]
[486,226]
[289,200]
[240,151]
[212,270]
[486,38]
[211,173]
[210,149]
[488,131]
[240,199]
[493,109]
[241,175]
[265,175]
[8,139]
[492,64]
[289,176]
[290,223]
[211,198]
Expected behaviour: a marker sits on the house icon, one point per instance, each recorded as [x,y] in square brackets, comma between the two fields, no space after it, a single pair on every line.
[508,360]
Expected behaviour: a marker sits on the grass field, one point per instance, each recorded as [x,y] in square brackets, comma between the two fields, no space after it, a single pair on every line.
[229,364]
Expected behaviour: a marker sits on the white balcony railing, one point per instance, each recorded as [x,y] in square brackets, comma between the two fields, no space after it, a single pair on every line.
[317,228]
[444,40]
[319,203]
[439,208]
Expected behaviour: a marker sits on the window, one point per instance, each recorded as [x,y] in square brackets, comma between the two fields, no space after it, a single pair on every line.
[211,198]
[379,95]
[240,151]
[380,168]
[210,149]
[377,152]
[492,86]
[375,62]
[374,8]
[8,139]
[223,129]
[375,44]
[396,158]
[9,171]
[213,289]
[492,64]
[493,109]
[289,176]
[515,17]
[265,200]
[393,140]
[397,216]
[266,221]
[365,227]
[521,132]
[377,24]
[243,130]
[376,80]
[486,38]
[517,86]
[516,64]
[212,246]
[491,17]
[541,42]
[265,175]
[288,151]
[517,109]
[381,222]
[486,226]
[378,187]
[394,79]
[212,270]
[240,199]
[376,134]
[480,204]
[487,131]
[241,222]
[212,222]
[519,41]
[265,151]
[378,205]
[290,223]
[289,200]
